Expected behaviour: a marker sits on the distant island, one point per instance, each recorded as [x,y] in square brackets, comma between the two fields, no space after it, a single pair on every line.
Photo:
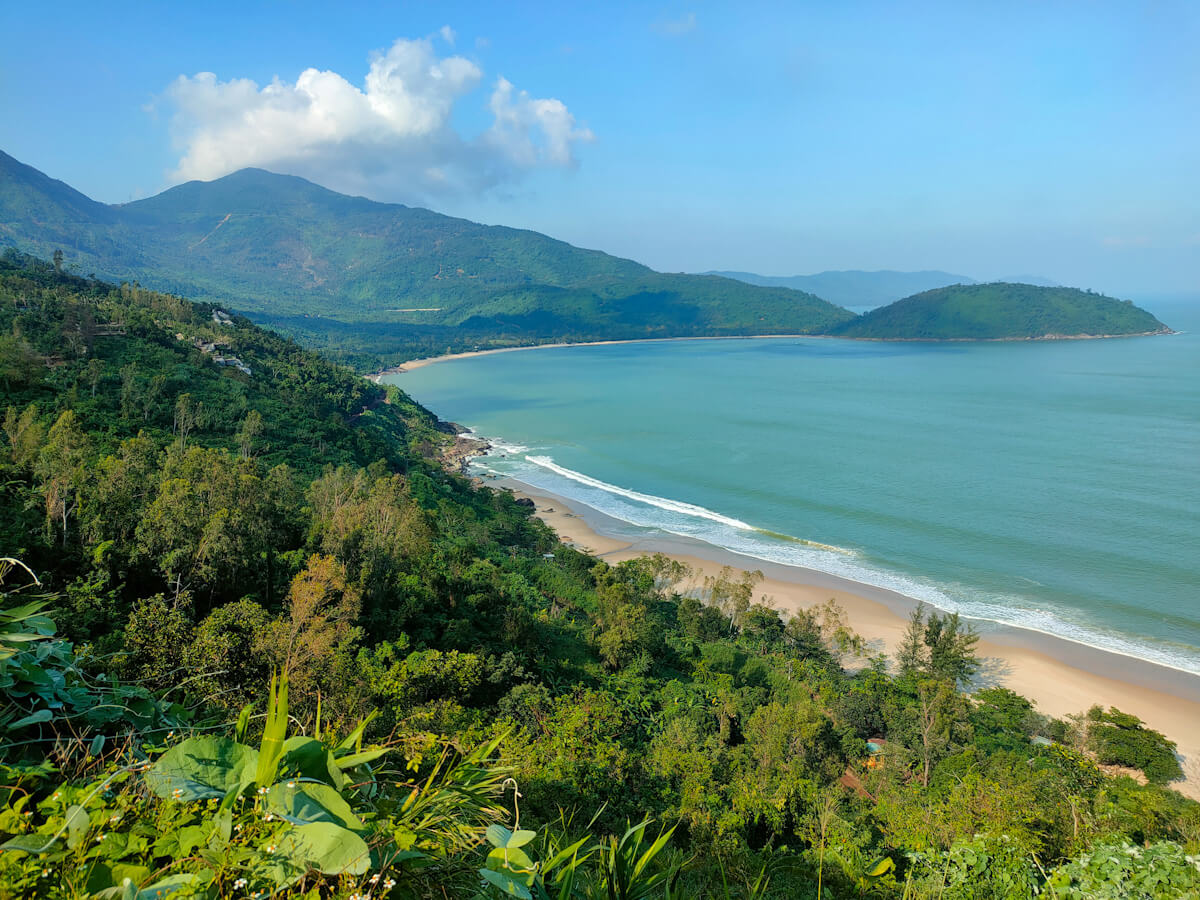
[375,284]
[1002,311]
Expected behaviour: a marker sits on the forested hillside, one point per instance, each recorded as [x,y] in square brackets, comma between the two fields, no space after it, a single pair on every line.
[1002,311]
[461,706]
[376,283]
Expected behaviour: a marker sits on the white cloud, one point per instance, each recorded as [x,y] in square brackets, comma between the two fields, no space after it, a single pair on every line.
[676,27]
[393,136]
[530,131]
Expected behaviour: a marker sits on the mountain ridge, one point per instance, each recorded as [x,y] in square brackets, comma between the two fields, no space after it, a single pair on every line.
[410,281]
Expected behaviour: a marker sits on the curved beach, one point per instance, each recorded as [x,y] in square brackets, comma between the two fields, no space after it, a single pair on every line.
[1061,677]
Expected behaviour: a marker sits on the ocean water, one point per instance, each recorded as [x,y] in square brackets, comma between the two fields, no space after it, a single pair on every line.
[1053,486]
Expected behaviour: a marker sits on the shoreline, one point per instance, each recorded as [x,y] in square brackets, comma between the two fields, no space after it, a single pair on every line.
[409,365]
[1060,676]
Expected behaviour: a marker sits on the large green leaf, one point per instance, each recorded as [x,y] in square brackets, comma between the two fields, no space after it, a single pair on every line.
[500,837]
[509,883]
[203,767]
[304,802]
[309,758]
[327,847]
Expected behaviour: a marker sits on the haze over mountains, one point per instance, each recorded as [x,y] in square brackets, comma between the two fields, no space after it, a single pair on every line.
[378,283]
[857,289]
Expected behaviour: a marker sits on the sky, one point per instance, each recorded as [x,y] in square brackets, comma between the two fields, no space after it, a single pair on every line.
[987,139]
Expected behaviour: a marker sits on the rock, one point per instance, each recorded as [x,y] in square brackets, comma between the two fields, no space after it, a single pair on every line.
[526,502]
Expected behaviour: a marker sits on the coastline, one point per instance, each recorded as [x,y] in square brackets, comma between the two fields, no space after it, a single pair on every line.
[409,365]
[1060,676]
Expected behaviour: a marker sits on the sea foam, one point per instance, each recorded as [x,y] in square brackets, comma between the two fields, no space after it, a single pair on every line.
[675,506]
[726,532]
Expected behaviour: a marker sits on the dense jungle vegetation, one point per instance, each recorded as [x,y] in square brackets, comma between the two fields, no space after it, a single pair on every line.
[1000,310]
[255,640]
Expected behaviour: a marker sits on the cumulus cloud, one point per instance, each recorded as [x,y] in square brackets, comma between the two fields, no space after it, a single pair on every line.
[392,136]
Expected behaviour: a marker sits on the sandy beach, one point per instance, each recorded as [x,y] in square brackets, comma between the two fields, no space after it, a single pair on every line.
[430,360]
[1061,677]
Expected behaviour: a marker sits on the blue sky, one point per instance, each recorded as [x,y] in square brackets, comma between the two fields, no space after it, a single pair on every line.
[987,139]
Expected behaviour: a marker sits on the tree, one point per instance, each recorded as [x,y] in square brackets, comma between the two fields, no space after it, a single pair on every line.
[95,371]
[25,434]
[939,646]
[321,620]
[911,655]
[936,716]
[19,362]
[251,430]
[731,593]
[61,468]
[951,648]
[187,415]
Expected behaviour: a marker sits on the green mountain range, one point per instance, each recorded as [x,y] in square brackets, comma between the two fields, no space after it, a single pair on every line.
[1002,311]
[391,280]
[373,284]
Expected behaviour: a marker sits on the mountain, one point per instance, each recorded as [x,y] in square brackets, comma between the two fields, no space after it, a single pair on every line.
[1000,310]
[1039,280]
[856,288]
[388,280]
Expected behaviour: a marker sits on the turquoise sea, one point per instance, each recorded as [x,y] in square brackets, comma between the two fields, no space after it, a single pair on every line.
[1052,486]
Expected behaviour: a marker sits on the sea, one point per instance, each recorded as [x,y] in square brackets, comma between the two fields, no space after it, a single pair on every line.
[1044,485]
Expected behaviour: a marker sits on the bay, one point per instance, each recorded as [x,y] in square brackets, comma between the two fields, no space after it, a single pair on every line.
[1053,486]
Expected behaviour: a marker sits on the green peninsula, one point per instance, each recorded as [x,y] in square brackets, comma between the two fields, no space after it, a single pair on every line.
[1001,311]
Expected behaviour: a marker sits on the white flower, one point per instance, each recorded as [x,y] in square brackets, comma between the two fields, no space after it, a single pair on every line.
[389,884]
[270,848]
[240,883]
[99,837]
[374,878]
[262,790]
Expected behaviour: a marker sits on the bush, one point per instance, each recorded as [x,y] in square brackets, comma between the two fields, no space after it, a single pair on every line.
[1121,739]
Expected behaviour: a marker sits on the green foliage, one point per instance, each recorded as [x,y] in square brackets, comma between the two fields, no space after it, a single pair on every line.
[1121,739]
[939,646]
[980,869]
[419,614]
[1001,311]
[1124,871]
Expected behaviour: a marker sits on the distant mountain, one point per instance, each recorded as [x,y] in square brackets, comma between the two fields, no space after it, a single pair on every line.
[379,281]
[854,287]
[1002,311]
